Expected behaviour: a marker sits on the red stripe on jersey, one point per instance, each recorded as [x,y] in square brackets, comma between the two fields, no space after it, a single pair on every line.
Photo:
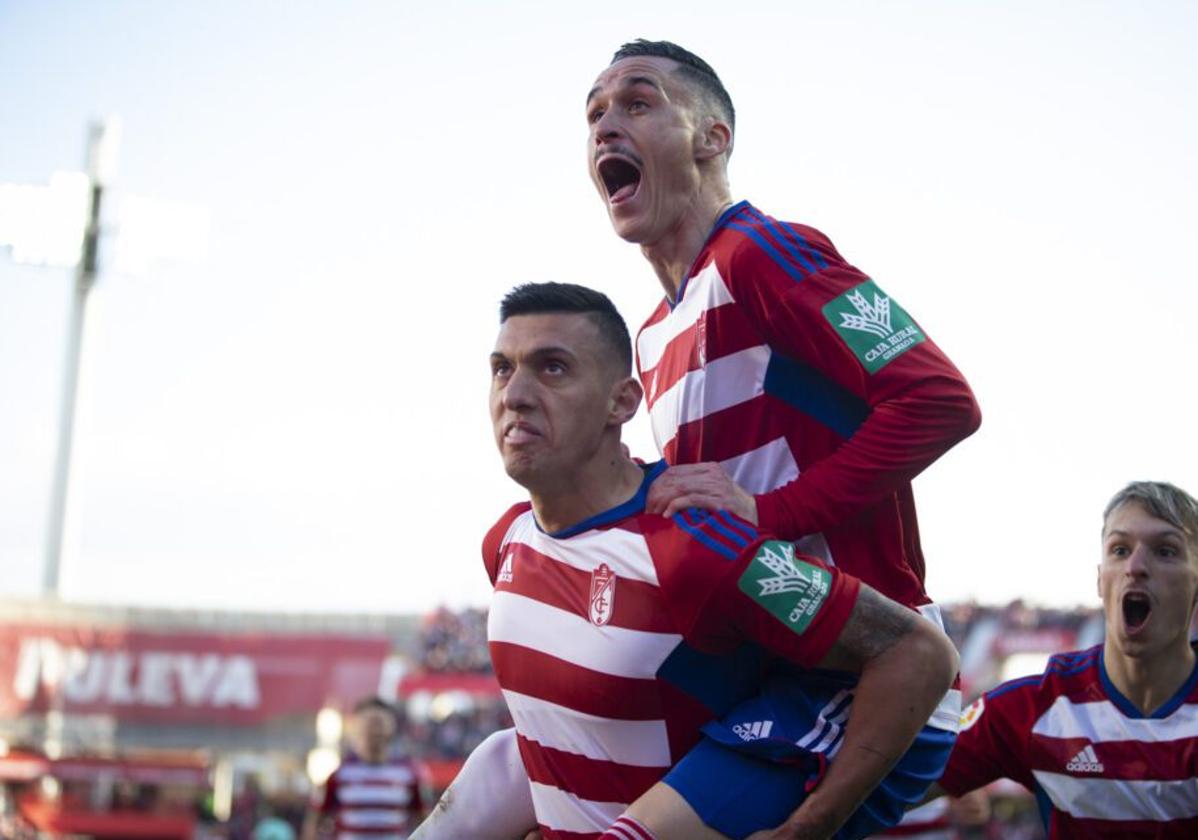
[551,834]
[723,327]
[638,606]
[1174,763]
[554,680]
[594,779]
[725,434]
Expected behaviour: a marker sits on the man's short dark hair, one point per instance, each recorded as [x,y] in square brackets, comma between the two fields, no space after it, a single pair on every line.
[540,298]
[694,69]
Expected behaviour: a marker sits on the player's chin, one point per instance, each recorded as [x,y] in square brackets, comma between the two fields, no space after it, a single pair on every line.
[628,227]
[520,468]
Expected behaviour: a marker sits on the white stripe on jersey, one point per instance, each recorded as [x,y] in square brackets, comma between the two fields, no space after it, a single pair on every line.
[520,620]
[765,468]
[706,290]
[1102,721]
[363,772]
[370,818]
[1095,798]
[625,553]
[640,743]
[374,795]
[374,835]
[563,811]
[721,384]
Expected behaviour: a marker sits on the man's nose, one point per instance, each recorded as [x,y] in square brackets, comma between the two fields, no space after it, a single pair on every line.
[519,392]
[1137,563]
[606,128]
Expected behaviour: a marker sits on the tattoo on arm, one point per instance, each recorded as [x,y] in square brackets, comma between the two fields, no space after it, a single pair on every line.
[874,626]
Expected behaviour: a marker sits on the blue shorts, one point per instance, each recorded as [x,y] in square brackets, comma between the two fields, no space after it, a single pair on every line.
[755,765]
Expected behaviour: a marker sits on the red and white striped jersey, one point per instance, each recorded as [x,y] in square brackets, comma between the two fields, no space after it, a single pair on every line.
[372,801]
[1099,767]
[811,387]
[616,640]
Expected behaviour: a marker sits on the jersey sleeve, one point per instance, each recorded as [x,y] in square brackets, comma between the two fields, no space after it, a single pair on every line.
[727,584]
[495,537]
[841,329]
[989,746]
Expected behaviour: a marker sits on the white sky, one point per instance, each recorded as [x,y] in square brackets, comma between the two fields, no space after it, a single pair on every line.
[298,421]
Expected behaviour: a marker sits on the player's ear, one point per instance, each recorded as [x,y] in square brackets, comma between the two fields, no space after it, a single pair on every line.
[1098,580]
[625,399]
[712,139]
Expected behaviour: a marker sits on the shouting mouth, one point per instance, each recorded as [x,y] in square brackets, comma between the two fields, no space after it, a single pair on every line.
[1137,607]
[621,178]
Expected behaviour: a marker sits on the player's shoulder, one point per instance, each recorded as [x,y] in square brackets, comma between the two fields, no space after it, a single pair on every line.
[750,238]
[497,535]
[717,534]
[1065,674]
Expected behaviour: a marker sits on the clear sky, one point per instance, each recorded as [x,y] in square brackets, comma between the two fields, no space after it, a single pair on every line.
[298,419]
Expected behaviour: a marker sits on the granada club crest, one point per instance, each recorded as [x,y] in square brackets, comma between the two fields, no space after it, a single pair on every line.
[603,594]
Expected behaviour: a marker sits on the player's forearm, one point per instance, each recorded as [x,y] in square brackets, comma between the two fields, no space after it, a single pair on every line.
[895,696]
[897,441]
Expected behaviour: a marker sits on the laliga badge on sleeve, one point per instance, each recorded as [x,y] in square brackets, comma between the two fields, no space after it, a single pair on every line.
[972,712]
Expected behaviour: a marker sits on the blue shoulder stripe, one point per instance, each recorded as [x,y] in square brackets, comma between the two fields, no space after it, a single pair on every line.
[1013,684]
[713,521]
[1061,665]
[739,525]
[703,535]
[790,240]
[772,252]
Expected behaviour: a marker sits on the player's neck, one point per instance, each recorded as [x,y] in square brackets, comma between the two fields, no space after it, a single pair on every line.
[1149,681]
[609,480]
[673,254]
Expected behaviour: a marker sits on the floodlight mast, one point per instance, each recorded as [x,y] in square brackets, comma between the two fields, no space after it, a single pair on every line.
[103,146]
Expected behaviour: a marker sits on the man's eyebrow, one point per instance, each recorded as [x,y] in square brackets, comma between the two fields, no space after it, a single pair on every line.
[537,352]
[630,81]
[1166,531]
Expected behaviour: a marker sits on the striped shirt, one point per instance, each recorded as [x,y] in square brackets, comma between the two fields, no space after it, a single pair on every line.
[812,388]
[614,643]
[1098,766]
[372,801]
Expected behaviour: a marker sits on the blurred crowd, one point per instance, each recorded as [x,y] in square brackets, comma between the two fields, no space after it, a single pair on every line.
[455,641]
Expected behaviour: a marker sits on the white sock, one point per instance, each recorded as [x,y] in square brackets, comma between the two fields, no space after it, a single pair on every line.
[489,800]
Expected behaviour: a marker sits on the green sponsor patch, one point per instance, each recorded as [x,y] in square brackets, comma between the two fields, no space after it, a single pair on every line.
[789,588]
[874,327]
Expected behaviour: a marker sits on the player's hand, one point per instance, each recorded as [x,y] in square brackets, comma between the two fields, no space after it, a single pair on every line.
[704,486]
[972,809]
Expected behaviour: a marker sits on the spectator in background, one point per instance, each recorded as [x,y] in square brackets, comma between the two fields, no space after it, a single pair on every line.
[375,794]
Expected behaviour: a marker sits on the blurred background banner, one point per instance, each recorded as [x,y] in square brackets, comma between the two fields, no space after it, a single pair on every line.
[136,674]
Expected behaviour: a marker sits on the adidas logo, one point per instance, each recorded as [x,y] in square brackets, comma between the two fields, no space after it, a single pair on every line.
[505,571]
[1085,762]
[753,731]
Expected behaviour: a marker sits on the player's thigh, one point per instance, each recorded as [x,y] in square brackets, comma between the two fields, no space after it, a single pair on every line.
[662,810]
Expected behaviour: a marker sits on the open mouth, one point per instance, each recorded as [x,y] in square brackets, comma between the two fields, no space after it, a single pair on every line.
[1136,607]
[620,178]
